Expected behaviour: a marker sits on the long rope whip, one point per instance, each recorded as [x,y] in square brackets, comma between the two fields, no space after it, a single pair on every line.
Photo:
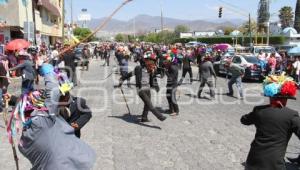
[101,26]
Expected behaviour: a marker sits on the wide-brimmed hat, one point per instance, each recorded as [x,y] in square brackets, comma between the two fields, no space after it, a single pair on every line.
[280,87]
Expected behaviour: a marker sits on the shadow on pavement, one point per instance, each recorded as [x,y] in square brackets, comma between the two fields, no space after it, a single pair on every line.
[196,97]
[289,166]
[191,95]
[225,94]
[134,119]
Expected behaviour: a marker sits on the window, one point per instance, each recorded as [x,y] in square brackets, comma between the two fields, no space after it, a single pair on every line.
[237,60]
[251,59]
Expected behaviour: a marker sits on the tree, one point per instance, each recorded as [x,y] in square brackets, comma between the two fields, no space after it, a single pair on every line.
[166,37]
[286,16]
[245,28]
[180,29]
[119,38]
[297,16]
[82,33]
[263,15]
[227,30]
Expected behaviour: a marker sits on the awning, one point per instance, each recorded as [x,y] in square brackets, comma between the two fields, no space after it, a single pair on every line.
[50,7]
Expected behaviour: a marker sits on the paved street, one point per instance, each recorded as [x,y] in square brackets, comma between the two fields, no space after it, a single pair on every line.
[206,135]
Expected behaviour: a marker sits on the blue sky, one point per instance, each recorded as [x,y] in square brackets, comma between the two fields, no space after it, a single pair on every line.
[180,9]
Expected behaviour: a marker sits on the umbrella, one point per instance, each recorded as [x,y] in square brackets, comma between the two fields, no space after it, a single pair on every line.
[17,44]
[222,47]
[294,51]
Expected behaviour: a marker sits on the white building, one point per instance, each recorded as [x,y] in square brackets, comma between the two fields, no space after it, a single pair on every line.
[275,28]
[292,36]
[186,35]
[16,14]
[204,34]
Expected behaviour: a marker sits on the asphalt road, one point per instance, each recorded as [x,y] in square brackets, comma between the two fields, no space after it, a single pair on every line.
[206,135]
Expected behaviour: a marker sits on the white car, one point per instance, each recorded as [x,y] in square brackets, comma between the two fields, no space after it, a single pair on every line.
[265,49]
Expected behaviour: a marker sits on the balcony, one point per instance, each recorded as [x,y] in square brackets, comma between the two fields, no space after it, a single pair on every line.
[46,27]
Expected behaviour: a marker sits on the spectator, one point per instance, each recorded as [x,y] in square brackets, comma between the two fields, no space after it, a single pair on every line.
[272,64]
[3,81]
[28,73]
[296,66]
[262,60]
[237,73]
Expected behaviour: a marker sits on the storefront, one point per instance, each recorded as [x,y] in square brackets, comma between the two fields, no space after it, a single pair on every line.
[4,35]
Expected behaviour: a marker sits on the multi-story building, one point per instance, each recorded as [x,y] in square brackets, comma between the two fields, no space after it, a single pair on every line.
[18,16]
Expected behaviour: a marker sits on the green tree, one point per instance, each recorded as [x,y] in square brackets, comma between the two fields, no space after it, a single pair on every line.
[119,38]
[166,37]
[82,33]
[245,28]
[286,16]
[263,16]
[179,29]
[297,16]
[228,30]
[152,37]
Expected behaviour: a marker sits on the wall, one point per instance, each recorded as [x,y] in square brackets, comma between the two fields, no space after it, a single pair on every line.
[10,13]
[6,33]
[22,12]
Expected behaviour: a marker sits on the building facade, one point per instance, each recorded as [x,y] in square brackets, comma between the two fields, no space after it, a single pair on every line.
[292,37]
[35,20]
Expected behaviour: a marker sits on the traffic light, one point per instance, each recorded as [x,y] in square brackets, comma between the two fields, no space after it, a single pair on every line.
[220,12]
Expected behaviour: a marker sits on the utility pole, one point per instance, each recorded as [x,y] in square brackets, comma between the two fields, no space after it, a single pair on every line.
[63,21]
[33,18]
[134,28]
[27,20]
[71,13]
[161,16]
[250,31]
[162,21]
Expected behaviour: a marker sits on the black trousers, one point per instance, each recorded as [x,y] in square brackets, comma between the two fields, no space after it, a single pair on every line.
[171,97]
[210,84]
[77,133]
[184,72]
[145,95]
[27,85]
[72,75]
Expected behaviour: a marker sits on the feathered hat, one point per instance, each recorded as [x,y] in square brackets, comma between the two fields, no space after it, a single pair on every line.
[280,87]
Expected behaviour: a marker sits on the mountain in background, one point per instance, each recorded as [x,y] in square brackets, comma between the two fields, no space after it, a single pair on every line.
[146,23]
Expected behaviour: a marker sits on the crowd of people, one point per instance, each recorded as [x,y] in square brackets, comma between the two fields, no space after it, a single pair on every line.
[55,106]
[49,113]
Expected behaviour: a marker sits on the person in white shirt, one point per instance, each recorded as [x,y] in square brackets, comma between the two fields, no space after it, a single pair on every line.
[296,66]
[262,60]
[54,56]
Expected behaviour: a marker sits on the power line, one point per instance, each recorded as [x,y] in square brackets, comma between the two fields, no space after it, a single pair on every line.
[234,8]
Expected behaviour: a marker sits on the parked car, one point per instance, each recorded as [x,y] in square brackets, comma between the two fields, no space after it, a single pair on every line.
[250,62]
[219,66]
[194,44]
